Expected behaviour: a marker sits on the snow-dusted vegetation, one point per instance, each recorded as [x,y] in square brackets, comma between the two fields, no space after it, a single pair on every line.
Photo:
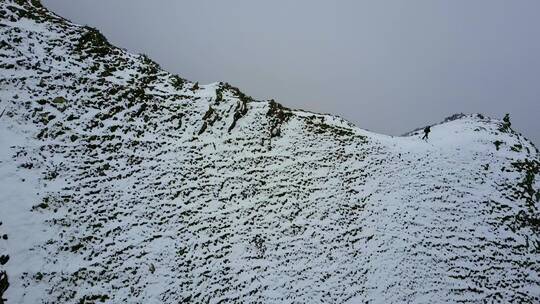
[122,183]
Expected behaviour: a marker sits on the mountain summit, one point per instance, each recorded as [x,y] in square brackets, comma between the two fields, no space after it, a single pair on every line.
[123,183]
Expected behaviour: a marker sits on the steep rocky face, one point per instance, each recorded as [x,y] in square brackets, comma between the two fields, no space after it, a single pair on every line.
[120,182]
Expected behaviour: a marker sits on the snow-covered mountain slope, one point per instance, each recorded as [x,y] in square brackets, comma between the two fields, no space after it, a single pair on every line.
[122,183]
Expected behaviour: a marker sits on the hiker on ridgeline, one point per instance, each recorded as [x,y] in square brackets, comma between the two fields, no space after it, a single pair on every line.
[4,284]
[426,133]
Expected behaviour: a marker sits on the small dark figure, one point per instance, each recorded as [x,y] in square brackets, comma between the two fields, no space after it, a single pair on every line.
[4,284]
[426,133]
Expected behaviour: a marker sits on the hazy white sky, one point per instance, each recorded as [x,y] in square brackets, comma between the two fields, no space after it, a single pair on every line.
[389,66]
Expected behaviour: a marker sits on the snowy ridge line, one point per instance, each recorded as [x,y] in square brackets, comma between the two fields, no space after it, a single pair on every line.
[120,182]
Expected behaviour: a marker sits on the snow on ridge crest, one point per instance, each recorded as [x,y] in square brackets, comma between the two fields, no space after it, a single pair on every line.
[120,182]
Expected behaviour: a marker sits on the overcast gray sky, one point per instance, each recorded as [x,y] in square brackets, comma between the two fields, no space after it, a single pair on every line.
[388,66]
